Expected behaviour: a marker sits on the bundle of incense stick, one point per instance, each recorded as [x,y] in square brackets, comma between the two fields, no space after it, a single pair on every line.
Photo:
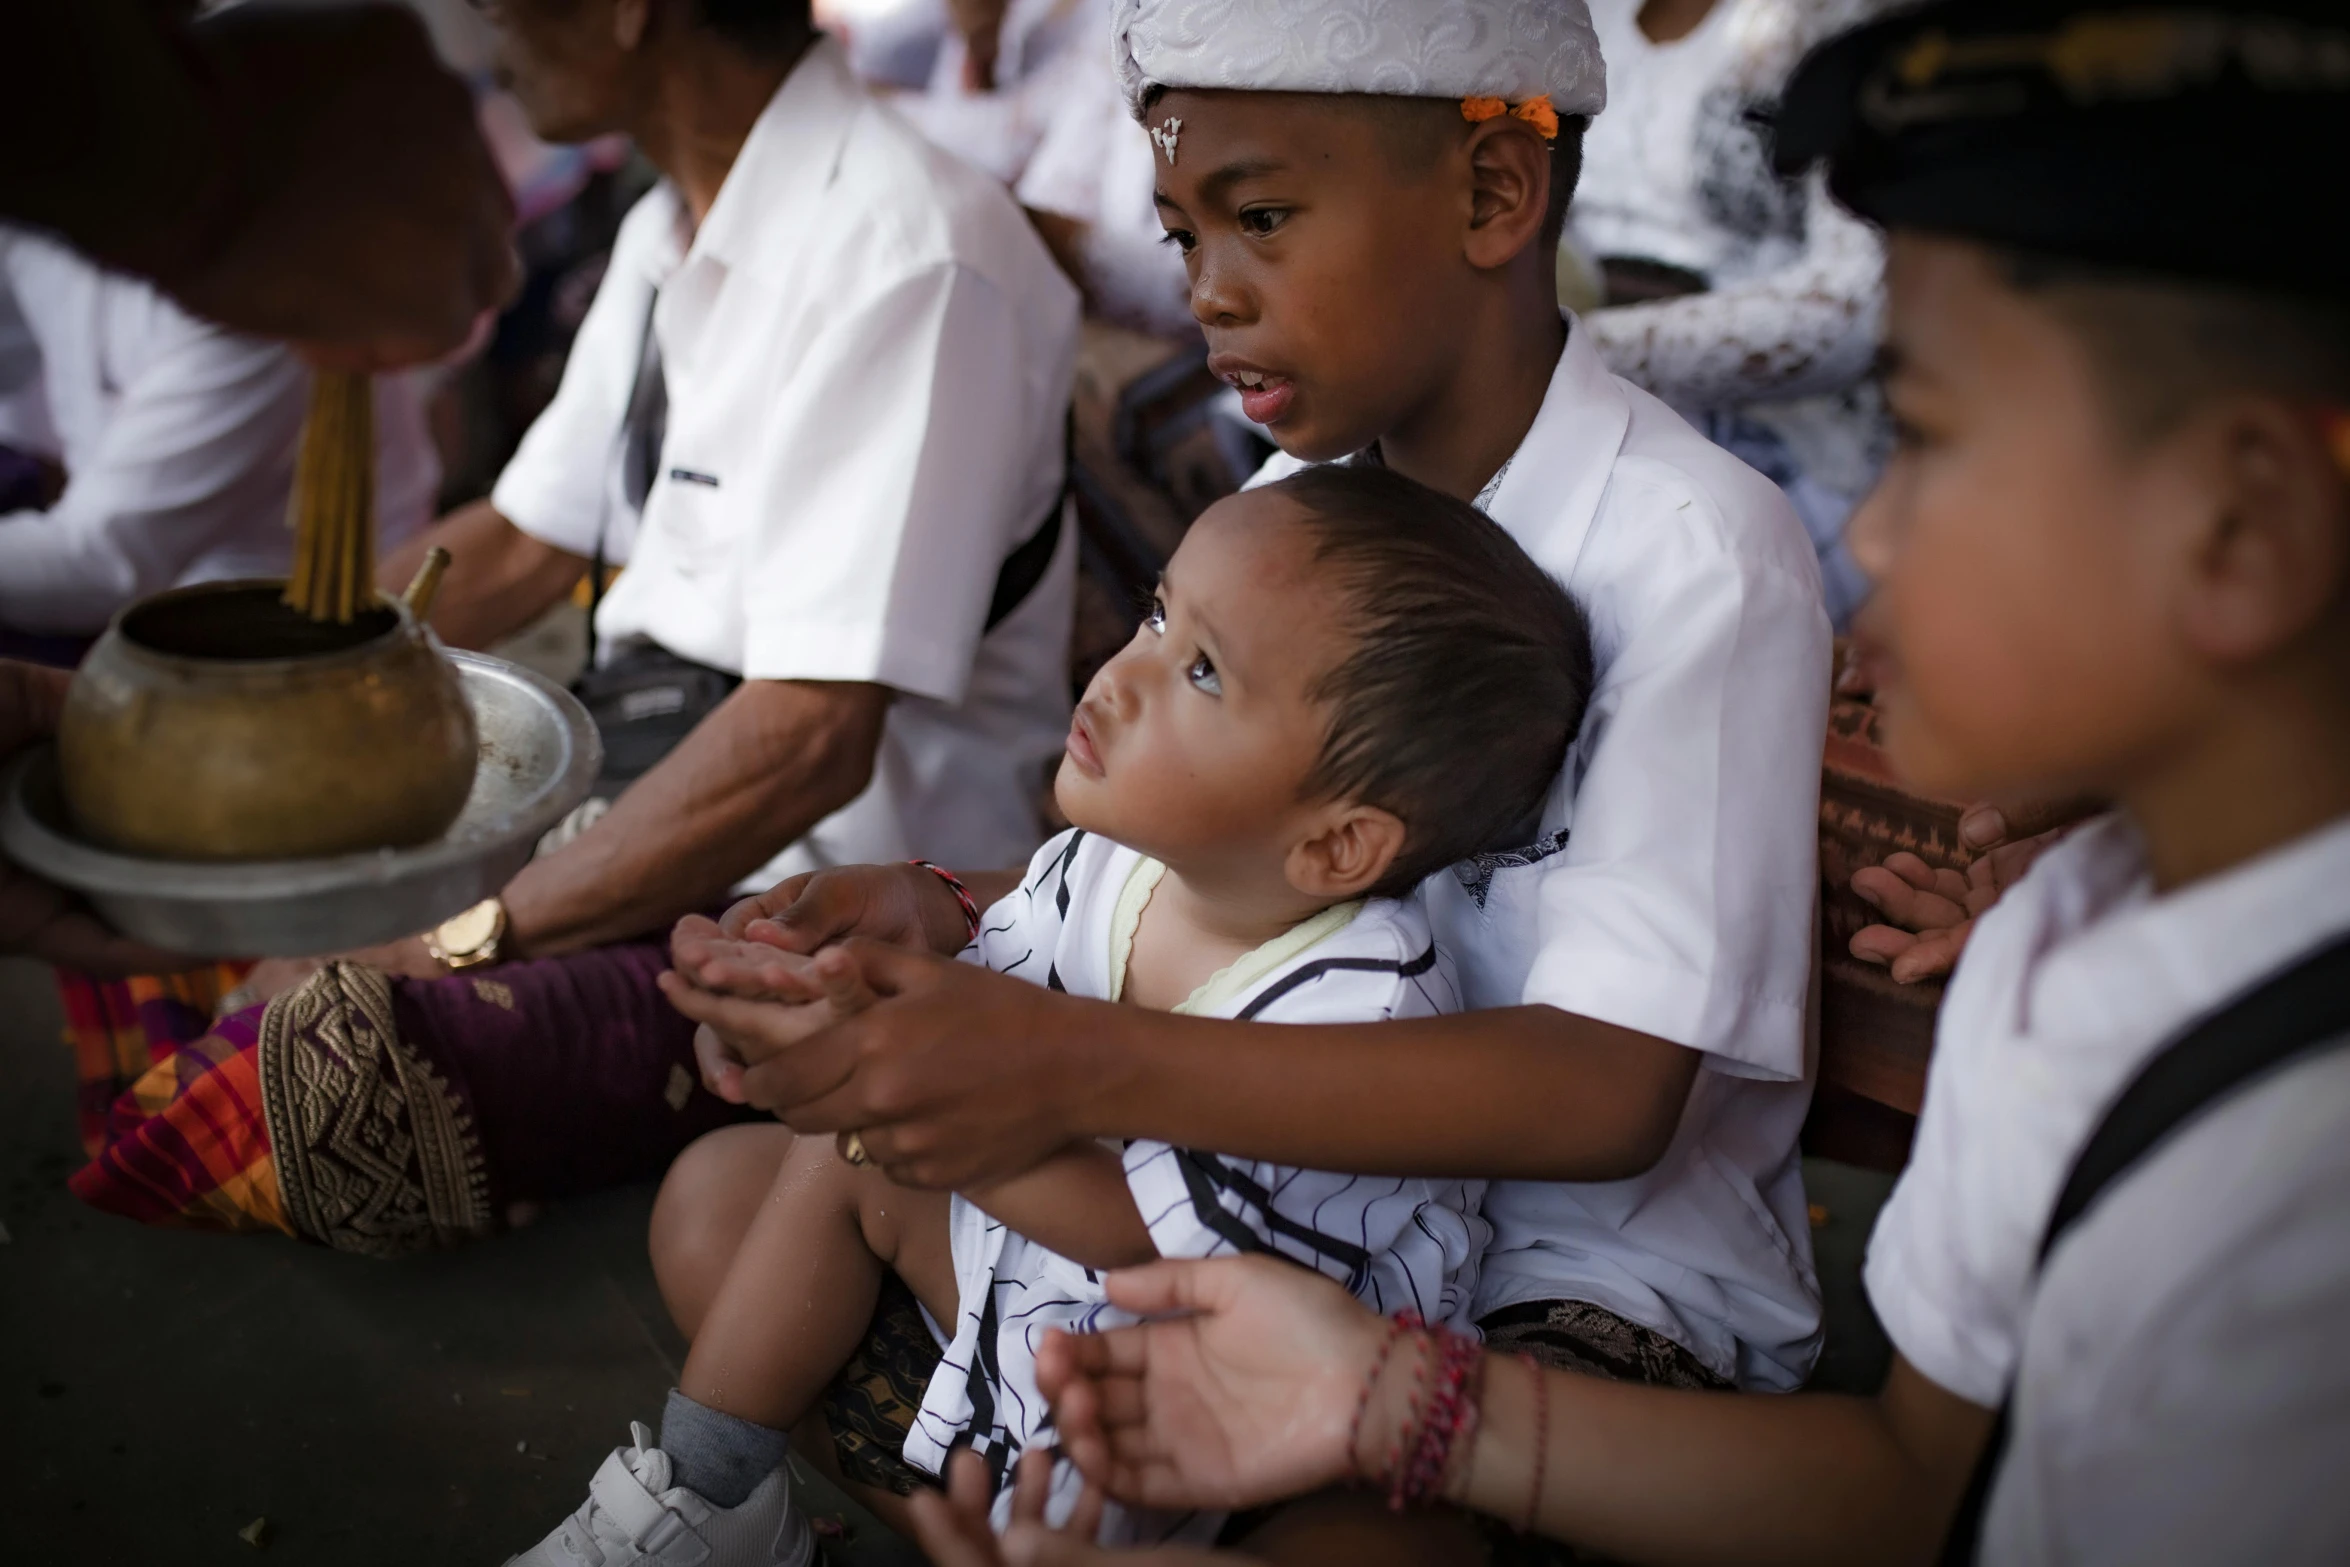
[333,509]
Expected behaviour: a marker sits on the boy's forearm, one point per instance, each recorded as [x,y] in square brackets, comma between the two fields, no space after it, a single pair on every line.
[1076,1203]
[1529,1093]
[1654,1475]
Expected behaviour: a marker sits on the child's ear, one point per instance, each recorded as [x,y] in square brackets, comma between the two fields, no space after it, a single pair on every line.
[1348,853]
[2274,555]
[1509,191]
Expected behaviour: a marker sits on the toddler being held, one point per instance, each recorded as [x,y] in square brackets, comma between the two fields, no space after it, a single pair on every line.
[1345,682]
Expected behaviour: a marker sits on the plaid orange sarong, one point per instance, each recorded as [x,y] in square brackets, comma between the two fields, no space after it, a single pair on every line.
[187,1145]
[118,1029]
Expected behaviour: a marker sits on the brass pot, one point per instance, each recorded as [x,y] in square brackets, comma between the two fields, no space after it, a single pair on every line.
[216,723]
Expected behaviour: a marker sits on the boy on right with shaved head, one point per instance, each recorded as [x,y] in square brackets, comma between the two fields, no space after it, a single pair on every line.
[1370,213]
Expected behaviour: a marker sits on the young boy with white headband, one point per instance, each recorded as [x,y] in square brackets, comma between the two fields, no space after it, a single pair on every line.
[1371,248]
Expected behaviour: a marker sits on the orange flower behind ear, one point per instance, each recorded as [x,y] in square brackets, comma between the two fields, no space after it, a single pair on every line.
[1535,111]
[1538,113]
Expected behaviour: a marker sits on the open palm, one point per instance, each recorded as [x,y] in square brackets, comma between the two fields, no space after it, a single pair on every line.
[1248,1397]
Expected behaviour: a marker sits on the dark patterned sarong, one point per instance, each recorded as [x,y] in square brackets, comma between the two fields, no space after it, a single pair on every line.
[1574,1335]
[871,1405]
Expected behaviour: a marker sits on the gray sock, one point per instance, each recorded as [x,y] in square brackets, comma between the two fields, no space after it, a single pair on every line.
[717,1456]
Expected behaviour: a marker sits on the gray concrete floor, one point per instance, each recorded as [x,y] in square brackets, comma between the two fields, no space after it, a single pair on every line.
[159,1390]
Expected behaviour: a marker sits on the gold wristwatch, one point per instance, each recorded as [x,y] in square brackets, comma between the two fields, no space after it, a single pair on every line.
[470,939]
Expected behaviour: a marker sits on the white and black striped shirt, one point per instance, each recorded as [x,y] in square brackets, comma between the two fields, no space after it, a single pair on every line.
[1395,1242]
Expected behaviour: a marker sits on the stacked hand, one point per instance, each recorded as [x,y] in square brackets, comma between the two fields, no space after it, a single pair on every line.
[826,1002]
[1930,913]
[780,951]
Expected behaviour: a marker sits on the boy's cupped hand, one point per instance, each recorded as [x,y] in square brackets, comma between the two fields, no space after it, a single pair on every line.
[1930,913]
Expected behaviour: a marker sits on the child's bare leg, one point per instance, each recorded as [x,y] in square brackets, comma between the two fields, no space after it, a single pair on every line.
[801,1289]
[707,1202]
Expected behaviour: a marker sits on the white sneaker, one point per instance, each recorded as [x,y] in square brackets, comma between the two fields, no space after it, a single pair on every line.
[633,1516]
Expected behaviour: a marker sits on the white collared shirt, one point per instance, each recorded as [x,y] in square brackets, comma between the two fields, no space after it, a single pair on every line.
[1672,887]
[868,357]
[2182,1374]
[177,438]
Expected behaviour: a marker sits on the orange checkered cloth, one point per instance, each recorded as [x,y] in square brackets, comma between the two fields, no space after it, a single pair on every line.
[171,1103]
[119,1028]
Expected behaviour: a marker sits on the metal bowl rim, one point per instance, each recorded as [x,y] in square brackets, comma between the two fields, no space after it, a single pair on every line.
[41,849]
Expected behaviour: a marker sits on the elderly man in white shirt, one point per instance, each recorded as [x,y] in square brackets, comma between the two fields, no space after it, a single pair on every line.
[176,437]
[817,413]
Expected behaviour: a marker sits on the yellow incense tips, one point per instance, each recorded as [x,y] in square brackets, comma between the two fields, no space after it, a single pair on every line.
[333,507]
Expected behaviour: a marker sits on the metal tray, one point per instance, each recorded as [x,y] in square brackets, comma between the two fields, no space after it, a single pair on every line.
[539,755]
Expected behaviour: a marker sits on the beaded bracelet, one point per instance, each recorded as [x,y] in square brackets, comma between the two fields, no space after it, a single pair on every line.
[1450,1417]
[1441,1412]
[961,892]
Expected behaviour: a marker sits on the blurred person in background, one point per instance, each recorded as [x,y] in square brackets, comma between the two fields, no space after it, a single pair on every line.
[247,165]
[981,78]
[1750,302]
[1024,89]
[1754,304]
[151,449]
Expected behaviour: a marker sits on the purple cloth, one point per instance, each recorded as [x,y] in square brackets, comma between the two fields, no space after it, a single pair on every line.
[24,481]
[578,1073]
[58,652]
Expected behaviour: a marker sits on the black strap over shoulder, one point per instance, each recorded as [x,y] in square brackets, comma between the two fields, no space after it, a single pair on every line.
[2305,1007]
[2293,1014]
[1025,567]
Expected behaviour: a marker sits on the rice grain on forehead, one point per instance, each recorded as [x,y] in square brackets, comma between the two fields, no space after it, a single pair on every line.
[1514,50]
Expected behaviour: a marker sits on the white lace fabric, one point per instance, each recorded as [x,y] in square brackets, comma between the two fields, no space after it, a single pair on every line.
[1797,298]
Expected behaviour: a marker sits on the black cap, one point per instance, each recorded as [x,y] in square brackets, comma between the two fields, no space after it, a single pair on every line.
[2202,143]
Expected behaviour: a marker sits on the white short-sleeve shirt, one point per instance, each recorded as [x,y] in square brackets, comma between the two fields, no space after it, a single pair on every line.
[177,438]
[2182,1380]
[1395,1241]
[867,354]
[1672,887]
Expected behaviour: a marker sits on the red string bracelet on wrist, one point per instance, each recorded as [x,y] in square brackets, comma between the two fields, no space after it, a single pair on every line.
[1451,1414]
[961,892]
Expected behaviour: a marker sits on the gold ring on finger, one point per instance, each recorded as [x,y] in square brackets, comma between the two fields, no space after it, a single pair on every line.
[852,1148]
